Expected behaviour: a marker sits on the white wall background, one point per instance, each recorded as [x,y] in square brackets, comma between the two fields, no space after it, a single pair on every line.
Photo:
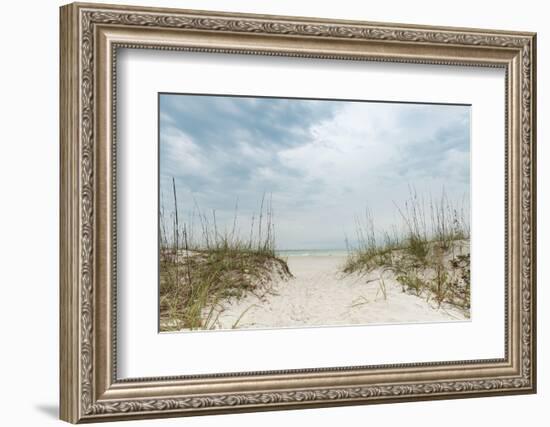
[29,170]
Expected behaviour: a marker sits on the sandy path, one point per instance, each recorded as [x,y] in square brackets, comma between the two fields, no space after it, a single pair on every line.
[319,295]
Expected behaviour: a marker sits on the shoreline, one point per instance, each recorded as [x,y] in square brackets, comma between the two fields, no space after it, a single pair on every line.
[314,253]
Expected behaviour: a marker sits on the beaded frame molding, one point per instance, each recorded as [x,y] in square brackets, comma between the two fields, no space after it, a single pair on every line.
[90,37]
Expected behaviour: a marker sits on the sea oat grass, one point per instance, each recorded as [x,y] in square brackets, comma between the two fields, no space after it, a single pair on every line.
[430,257]
[196,274]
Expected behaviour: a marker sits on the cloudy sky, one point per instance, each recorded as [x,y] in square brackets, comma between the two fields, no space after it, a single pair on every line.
[322,161]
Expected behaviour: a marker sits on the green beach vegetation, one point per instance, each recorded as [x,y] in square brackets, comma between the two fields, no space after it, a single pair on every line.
[427,253]
[200,266]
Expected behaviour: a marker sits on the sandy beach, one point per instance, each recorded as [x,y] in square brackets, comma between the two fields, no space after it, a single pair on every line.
[320,295]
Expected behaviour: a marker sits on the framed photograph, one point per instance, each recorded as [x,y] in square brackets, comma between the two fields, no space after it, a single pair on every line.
[265,212]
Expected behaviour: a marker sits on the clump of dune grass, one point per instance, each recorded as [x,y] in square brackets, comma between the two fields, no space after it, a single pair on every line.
[428,252]
[198,269]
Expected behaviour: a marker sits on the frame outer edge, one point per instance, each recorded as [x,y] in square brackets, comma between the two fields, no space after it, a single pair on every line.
[69,355]
[305,19]
[533,212]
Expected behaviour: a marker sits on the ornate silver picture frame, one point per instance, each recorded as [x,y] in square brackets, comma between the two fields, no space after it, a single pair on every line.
[92,36]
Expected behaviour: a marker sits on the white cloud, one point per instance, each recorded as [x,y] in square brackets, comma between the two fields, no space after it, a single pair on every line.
[182,154]
[363,154]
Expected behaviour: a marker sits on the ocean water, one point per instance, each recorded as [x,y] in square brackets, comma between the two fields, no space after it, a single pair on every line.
[312,252]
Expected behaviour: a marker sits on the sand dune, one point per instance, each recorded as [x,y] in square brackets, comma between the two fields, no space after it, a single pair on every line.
[319,295]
